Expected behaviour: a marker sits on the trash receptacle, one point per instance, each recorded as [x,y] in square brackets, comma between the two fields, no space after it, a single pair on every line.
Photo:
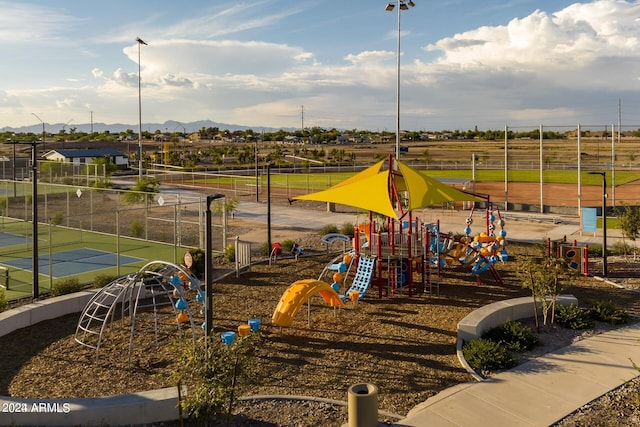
[362,405]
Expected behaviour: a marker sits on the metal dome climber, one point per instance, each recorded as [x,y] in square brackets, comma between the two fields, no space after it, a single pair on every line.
[151,302]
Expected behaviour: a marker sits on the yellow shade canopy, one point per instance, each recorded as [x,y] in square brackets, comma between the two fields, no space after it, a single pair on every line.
[426,191]
[373,190]
[368,192]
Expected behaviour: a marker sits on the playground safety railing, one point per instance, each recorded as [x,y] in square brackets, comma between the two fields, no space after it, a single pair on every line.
[243,256]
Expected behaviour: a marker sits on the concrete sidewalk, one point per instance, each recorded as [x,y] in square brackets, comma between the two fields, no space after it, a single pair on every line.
[539,392]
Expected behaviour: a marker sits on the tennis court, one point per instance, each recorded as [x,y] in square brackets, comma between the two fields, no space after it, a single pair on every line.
[71,262]
[10,239]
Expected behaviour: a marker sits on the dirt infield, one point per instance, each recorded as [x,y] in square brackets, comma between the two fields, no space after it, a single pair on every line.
[558,194]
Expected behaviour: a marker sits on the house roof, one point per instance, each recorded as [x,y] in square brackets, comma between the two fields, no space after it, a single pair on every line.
[87,152]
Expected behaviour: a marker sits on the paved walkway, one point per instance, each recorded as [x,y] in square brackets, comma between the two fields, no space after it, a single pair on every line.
[539,392]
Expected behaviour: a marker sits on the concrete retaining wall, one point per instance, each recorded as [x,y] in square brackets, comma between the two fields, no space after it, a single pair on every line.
[136,408]
[489,316]
[494,314]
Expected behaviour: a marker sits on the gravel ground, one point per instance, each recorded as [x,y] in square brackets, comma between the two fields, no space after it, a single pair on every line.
[406,346]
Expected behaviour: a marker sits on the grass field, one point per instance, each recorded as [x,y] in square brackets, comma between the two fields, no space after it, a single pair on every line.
[320,181]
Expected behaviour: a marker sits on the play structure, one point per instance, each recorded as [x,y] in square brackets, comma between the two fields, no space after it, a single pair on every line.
[155,302]
[399,243]
[576,257]
[297,294]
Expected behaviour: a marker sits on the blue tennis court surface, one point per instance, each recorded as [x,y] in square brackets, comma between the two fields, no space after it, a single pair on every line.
[67,263]
[8,239]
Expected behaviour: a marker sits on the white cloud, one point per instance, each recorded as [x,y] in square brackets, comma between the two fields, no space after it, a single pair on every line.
[27,24]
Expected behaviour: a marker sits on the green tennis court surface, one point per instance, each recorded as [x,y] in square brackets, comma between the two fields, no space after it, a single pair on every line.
[76,261]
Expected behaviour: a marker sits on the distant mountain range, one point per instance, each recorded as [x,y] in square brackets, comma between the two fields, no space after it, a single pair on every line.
[169,126]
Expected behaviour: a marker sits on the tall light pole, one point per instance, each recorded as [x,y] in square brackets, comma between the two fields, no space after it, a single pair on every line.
[402,5]
[140,42]
[43,132]
[604,221]
[64,137]
[208,268]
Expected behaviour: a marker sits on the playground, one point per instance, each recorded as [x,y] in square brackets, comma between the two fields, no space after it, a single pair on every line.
[403,342]
[405,345]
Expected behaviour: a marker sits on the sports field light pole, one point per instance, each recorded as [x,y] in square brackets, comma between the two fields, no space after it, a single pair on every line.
[402,5]
[43,132]
[140,42]
[34,215]
[604,221]
[208,268]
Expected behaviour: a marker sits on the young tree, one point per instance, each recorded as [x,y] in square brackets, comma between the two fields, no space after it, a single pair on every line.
[546,277]
[629,220]
[215,374]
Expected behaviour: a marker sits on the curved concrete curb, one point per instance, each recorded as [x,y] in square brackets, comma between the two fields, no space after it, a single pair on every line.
[481,320]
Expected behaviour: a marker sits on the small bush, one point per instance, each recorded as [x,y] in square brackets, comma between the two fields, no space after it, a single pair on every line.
[573,317]
[595,250]
[265,250]
[230,252]
[57,218]
[66,286]
[3,300]
[484,355]
[607,311]
[137,228]
[347,229]
[287,245]
[197,268]
[102,280]
[514,335]
[621,248]
[328,229]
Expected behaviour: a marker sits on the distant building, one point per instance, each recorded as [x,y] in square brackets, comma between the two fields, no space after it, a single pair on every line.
[89,155]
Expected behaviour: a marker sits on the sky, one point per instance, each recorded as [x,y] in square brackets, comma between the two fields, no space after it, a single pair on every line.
[331,64]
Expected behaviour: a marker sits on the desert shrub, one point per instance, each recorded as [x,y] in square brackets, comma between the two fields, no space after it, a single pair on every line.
[595,250]
[230,252]
[215,375]
[484,355]
[573,317]
[607,311]
[265,250]
[198,256]
[347,229]
[3,300]
[57,218]
[102,280]
[137,228]
[66,286]
[514,335]
[328,229]
[287,245]
[620,248]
